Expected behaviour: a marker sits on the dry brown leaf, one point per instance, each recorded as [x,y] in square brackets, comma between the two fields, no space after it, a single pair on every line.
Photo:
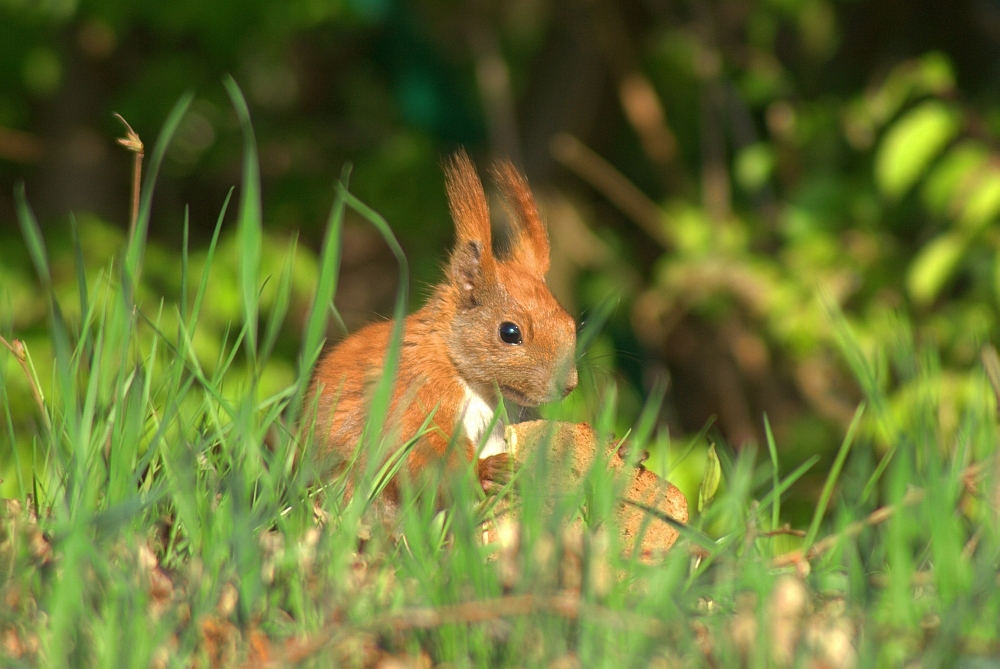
[219,641]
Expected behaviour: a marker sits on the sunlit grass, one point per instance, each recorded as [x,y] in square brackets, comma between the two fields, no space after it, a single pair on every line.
[172,512]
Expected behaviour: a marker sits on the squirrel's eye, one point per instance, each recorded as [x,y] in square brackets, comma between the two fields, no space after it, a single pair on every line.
[510,333]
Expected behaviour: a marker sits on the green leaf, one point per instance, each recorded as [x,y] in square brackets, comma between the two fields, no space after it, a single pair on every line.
[934,74]
[911,144]
[754,165]
[934,265]
[710,481]
[948,179]
[983,201]
[930,74]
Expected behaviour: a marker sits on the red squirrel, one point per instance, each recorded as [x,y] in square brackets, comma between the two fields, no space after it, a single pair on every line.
[492,324]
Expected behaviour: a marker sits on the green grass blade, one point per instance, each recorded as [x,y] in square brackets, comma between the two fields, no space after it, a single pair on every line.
[831,479]
[383,390]
[772,450]
[81,276]
[250,232]
[281,300]
[137,244]
[11,436]
[64,371]
[693,442]
[788,481]
[686,531]
[32,236]
[393,464]
[192,322]
[315,330]
[169,414]
[593,323]
[851,350]
[647,420]
[184,262]
[876,476]
[605,424]
[882,413]
[211,386]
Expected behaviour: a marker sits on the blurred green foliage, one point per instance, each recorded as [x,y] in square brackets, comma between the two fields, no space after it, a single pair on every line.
[783,208]
[726,171]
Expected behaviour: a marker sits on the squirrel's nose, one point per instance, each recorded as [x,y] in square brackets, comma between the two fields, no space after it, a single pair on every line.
[571,380]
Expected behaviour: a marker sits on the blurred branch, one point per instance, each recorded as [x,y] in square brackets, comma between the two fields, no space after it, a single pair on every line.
[715,190]
[880,515]
[784,530]
[991,363]
[493,80]
[600,174]
[638,97]
[20,147]
[645,113]
[564,603]
[814,378]
[971,475]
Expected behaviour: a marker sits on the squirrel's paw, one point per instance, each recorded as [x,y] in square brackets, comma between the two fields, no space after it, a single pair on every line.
[494,471]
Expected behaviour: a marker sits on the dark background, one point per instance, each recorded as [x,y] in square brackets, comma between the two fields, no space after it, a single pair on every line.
[711,166]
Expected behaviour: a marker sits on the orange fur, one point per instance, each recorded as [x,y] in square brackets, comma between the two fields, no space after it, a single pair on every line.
[532,243]
[451,346]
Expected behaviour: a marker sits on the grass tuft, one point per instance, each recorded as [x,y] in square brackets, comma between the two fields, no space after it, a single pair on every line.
[169,512]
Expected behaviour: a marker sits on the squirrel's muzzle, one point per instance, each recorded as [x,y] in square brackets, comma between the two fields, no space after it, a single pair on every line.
[571,380]
[566,380]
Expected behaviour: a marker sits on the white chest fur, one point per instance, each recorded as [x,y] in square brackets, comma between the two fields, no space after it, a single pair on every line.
[477,415]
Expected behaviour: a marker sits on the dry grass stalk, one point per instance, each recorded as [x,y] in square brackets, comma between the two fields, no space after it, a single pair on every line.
[20,352]
[132,142]
[877,516]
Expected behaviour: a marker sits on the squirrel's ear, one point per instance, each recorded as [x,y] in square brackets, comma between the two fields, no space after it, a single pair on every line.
[472,260]
[467,202]
[467,272]
[531,243]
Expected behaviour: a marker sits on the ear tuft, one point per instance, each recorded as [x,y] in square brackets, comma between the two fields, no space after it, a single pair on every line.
[531,245]
[472,264]
[467,202]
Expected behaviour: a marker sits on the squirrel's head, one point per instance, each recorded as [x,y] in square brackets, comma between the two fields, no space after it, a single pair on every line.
[508,329]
